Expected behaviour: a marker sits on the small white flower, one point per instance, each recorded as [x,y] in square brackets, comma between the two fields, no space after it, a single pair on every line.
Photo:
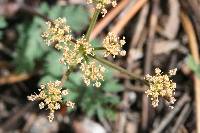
[57,106]
[70,104]
[65,92]
[41,105]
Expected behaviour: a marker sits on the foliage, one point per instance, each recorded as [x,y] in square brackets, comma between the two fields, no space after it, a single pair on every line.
[52,65]
[3,24]
[100,102]
[193,65]
[30,46]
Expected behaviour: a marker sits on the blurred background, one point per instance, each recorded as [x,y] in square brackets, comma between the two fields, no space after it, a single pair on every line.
[159,33]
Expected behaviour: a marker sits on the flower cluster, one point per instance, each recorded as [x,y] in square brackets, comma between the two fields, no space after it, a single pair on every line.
[161,86]
[51,96]
[73,54]
[84,46]
[57,32]
[92,72]
[78,52]
[101,4]
[113,45]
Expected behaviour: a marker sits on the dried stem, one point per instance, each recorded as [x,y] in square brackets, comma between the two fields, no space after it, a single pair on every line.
[130,14]
[169,117]
[188,27]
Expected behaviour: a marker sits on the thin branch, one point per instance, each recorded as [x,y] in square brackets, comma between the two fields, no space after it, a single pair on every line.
[132,12]
[170,116]
[189,29]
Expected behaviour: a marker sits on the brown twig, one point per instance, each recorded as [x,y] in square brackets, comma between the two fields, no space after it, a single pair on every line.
[20,112]
[124,20]
[188,27]
[140,25]
[148,59]
[192,7]
[171,26]
[137,38]
[4,64]
[135,88]
[14,78]
[169,117]
[122,116]
[182,117]
[9,99]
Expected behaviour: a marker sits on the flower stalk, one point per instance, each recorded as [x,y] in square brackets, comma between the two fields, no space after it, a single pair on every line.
[92,24]
[99,48]
[65,75]
[120,69]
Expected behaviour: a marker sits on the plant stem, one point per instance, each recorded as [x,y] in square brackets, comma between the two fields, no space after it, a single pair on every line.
[99,48]
[65,75]
[112,65]
[92,24]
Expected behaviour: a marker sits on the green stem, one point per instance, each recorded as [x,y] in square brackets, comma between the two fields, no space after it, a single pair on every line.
[110,64]
[92,24]
[65,75]
[99,48]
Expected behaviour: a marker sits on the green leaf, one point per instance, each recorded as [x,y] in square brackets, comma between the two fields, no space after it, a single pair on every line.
[113,99]
[30,46]
[193,66]
[33,49]
[91,110]
[108,74]
[73,96]
[40,24]
[55,12]
[197,72]
[110,114]
[45,79]
[191,63]
[3,22]
[44,8]
[77,17]
[100,112]
[23,65]
[76,78]
[96,43]
[112,86]
[70,85]
[52,65]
